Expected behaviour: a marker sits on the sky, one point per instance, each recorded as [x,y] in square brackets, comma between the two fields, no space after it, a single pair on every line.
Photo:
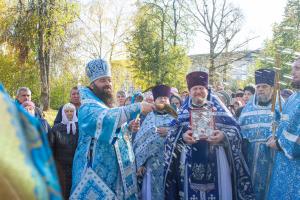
[259,15]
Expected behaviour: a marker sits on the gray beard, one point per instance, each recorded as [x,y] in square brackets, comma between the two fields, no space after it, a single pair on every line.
[198,101]
[263,99]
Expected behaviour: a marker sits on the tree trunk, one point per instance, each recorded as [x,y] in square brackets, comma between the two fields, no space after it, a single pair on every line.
[44,73]
[162,26]
[175,22]
[212,74]
[225,73]
[43,58]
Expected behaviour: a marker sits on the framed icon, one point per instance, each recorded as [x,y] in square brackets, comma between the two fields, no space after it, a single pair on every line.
[202,121]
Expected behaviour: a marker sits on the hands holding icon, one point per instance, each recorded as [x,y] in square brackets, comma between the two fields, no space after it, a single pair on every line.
[216,137]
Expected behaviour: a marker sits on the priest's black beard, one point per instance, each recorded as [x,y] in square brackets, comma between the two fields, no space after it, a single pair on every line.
[296,84]
[106,97]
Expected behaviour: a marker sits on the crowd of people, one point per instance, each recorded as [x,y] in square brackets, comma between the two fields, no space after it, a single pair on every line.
[149,145]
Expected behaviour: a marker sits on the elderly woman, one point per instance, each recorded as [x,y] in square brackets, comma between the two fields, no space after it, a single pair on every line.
[63,141]
[175,101]
[30,107]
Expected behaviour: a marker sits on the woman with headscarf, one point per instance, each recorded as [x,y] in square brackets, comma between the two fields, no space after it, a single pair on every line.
[137,97]
[63,141]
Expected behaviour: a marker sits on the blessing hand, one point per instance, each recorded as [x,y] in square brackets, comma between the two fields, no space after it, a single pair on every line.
[147,107]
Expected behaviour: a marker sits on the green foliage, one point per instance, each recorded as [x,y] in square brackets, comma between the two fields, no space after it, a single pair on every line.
[155,60]
[61,85]
[122,77]
[285,42]
[50,116]
[60,90]
[13,75]
[32,31]
[177,63]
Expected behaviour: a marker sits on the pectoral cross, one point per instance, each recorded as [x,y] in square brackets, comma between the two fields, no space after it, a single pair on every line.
[257,134]
[263,161]
[260,187]
[193,197]
[211,197]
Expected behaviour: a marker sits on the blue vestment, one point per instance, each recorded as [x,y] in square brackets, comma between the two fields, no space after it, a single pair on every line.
[200,171]
[285,180]
[103,166]
[256,127]
[149,152]
[27,169]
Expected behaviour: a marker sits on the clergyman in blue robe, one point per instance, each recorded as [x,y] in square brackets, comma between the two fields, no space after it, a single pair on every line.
[103,166]
[285,180]
[212,167]
[149,146]
[256,128]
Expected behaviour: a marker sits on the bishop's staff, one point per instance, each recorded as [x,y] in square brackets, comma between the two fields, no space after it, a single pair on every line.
[276,93]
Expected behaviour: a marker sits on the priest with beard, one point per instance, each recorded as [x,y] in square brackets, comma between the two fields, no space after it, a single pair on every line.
[256,128]
[103,166]
[148,146]
[286,171]
[211,167]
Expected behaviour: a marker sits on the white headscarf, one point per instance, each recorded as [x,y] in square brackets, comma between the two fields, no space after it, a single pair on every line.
[65,120]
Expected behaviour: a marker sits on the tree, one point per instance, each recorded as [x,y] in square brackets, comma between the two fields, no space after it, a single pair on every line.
[284,47]
[219,22]
[173,19]
[37,26]
[67,70]
[155,58]
[52,17]
[105,26]
[122,77]
[17,65]
[14,75]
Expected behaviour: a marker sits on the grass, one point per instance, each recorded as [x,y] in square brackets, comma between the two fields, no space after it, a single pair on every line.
[50,116]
